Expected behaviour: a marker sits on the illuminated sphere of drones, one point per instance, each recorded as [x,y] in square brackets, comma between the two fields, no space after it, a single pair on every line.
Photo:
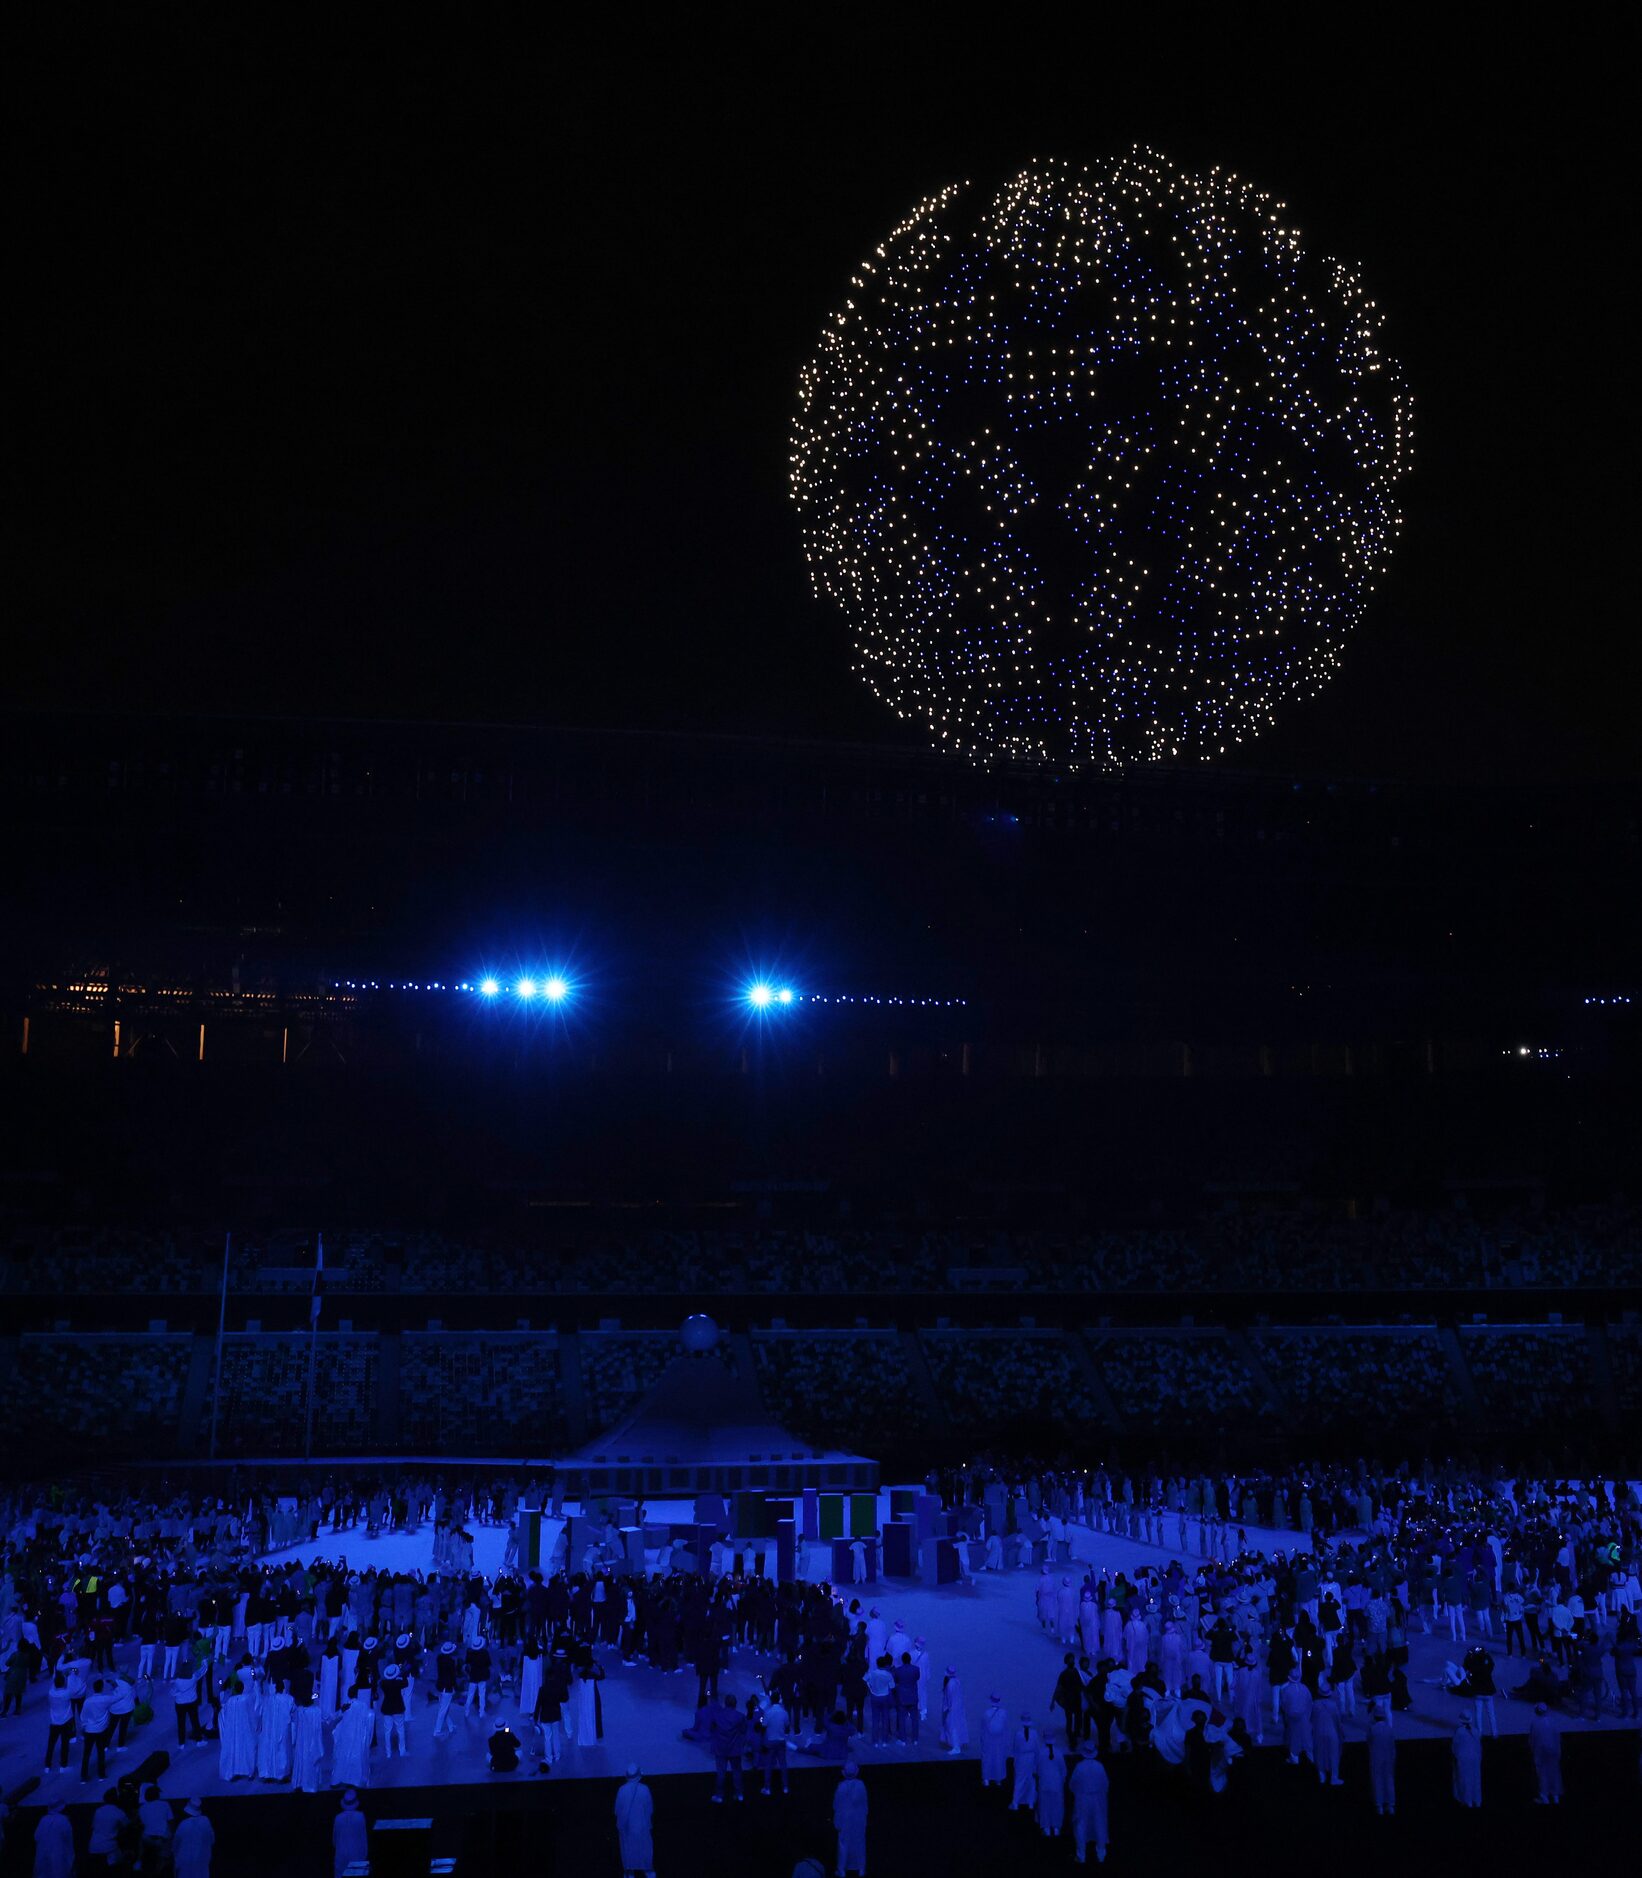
[1101,469]
[698,1334]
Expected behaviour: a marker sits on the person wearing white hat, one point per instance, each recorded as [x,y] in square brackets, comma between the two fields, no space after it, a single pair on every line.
[1088,1787]
[350,1836]
[1027,1748]
[54,1844]
[877,1634]
[1467,1763]
[994,1742]
[1051,1801]
[849,1817]
[1043,1596]
[634,1813]
[1545,1746]
[192,1842]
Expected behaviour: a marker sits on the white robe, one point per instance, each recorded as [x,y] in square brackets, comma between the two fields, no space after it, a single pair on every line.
[191,1847]
[1027,1747]
[1294,1699]
[1170,1727]
[994,1743]
[582,1712]
[54,1847]
[1043,1595]
[954,1723]
[1089,1788]
[530,1684]
[1382,1763]
[634,1810]
[350,1840]
[1468,1767]
[237,1728]
[849,1815]
[1051,1792]
[274,1742]
[308,1757]
[330,1683]
[351,1746]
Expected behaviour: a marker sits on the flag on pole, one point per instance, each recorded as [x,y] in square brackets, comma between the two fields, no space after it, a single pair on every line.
[319,1278]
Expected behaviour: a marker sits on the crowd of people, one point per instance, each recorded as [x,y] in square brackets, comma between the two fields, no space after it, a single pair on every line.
[484,1392]
[839,1389]
[1306,1647]
[1537,1375]
[56,1389]
[1181,1381]
[989,1382]
[1385,1380]
[1271,1248]
[310,1675]
[618,1370]
[1624,1342]
[467,1394]
[262,1398]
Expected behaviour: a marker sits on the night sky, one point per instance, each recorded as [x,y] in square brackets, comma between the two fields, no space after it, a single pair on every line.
[453,379]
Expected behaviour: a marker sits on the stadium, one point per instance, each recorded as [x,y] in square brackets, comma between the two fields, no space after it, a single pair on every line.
[1071,1162]
[641,1234]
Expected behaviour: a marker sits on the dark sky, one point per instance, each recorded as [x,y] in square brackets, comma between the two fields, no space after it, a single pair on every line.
[453,378]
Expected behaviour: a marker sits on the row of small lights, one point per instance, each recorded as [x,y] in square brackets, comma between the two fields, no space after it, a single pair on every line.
[555,990]
[1607,1000]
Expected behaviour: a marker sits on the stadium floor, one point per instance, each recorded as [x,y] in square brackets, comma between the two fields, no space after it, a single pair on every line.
[988,1631]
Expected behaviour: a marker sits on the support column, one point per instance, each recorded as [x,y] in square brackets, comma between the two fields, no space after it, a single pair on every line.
[572,1391]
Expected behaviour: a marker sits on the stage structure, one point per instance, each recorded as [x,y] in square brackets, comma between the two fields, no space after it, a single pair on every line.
[704,1429]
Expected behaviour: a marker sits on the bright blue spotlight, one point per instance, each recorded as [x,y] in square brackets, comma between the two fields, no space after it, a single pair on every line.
[783,996]
[760,997]
[554,989]
[488,987]
[526,987]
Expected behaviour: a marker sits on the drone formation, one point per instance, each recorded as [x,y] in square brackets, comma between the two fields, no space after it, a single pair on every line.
[1100,470]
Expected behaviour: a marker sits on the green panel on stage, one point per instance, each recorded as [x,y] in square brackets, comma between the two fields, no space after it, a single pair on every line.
[755,1516]
[863,1515]
[831,1514]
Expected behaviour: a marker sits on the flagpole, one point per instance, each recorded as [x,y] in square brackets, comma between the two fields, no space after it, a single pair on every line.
[222,1321]
[313,1345]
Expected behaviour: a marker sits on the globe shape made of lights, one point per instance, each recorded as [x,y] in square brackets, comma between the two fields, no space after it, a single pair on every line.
[1100,469]
[698,1334]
